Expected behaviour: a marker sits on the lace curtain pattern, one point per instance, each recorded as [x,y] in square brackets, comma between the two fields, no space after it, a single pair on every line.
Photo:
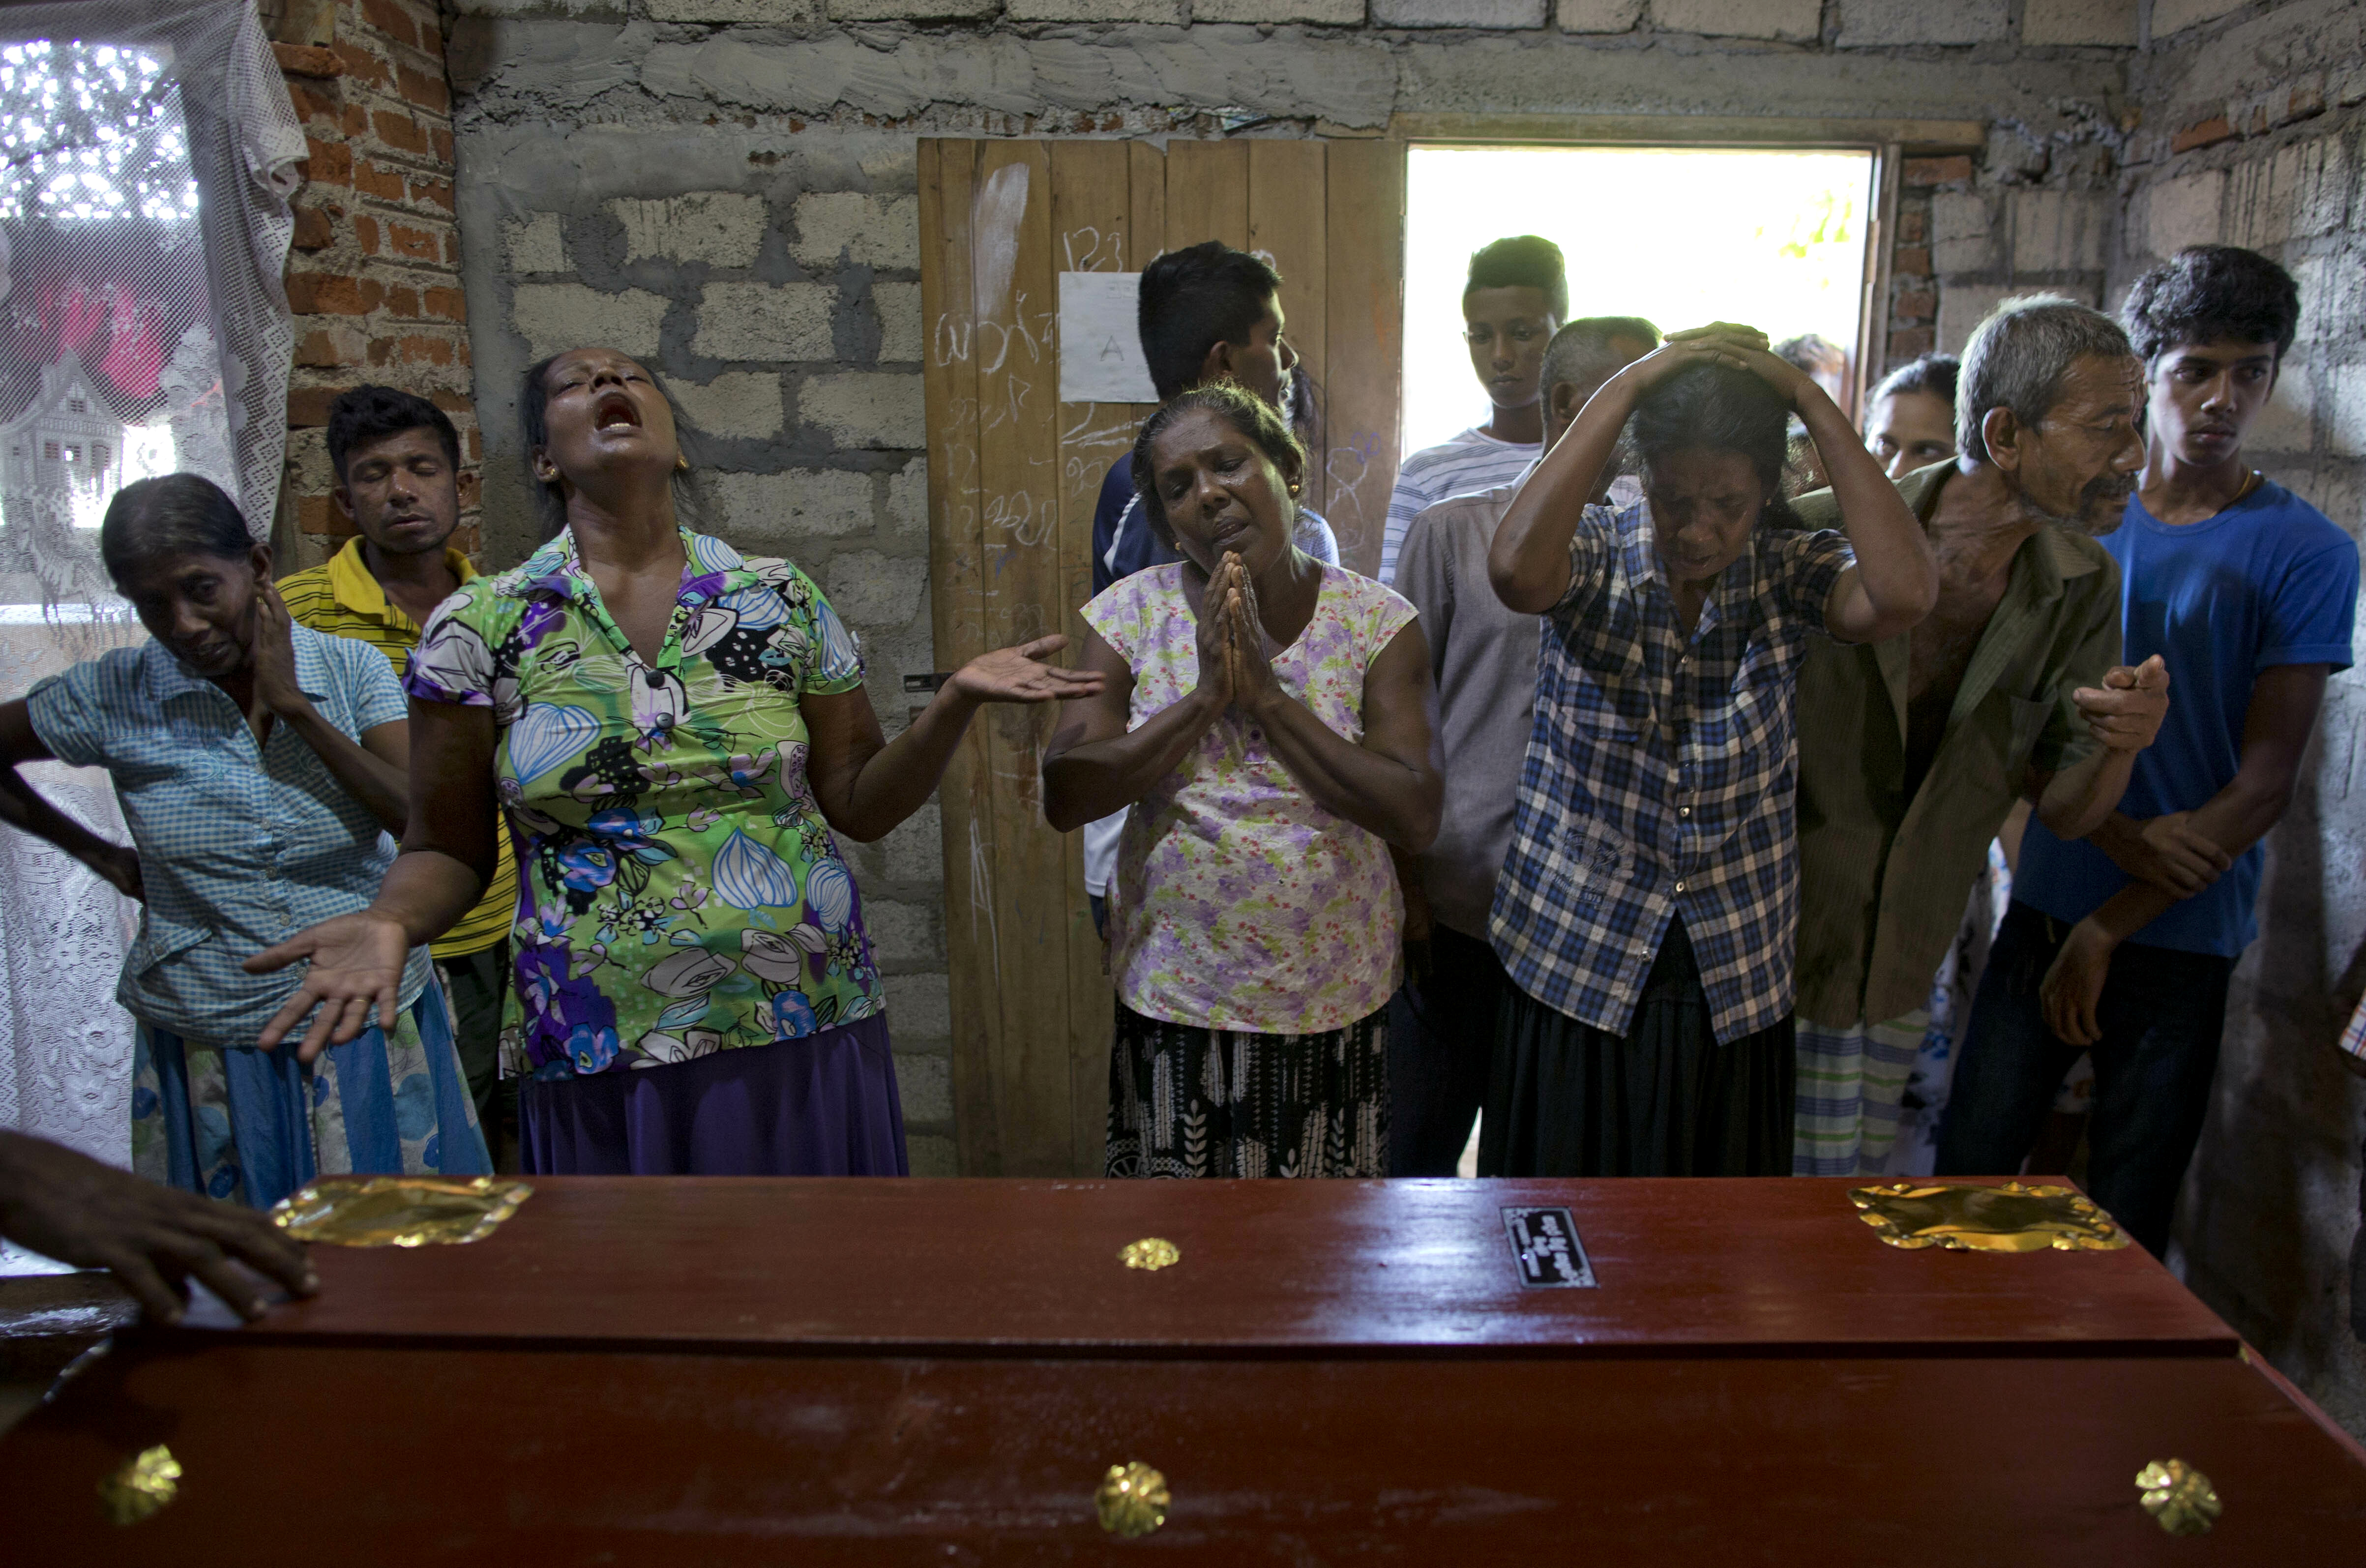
[148,149]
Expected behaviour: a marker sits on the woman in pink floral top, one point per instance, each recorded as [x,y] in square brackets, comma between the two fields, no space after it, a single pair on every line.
[1268,719]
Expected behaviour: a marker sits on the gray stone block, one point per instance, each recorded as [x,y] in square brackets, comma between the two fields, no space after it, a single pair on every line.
[865,408]
[1797,20]
[919,1007]
[766,322]
[740,405]
[534,244]
[556,317]
[897,306]
[1458,13]
[2108,22]
[1881,24]
[1326,13]
[776,513]
[715,227]
[869,231]
[1599,15]
[869,589]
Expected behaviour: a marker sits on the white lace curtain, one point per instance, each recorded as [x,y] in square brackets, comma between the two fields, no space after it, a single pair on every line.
[148,149]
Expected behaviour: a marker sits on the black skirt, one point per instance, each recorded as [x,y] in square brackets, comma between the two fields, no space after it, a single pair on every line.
[1190,1102]
[1566,1099]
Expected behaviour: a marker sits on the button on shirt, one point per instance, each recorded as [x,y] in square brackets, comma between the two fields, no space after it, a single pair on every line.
[240,847]
[1659,778]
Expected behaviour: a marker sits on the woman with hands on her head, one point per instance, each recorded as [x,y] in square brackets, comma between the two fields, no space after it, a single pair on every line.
[1270,722]
[260,766]
[1648,908]
[673,734]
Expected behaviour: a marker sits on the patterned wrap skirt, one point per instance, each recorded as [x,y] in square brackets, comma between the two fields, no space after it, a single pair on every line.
[251,1126]
[1191,1101]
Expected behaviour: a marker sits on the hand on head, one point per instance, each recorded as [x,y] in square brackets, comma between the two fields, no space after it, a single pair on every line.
[153,1238]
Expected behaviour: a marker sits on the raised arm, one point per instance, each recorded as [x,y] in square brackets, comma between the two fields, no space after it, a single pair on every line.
[865,783]
[372,770]
[23,807]
[1529,563]
[2124,713]
[1095,765]
[446,862]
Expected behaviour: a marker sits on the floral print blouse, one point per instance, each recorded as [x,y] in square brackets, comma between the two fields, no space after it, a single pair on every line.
[680,893]
[1239,903]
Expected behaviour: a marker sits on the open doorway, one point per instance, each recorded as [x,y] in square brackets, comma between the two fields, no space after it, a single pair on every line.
[1777,238]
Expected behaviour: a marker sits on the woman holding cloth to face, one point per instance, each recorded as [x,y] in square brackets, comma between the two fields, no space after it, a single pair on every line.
[1269,721]
[1649,907]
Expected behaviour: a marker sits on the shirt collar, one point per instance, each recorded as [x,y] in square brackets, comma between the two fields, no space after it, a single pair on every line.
[168,678]
[353,589]
[714,569]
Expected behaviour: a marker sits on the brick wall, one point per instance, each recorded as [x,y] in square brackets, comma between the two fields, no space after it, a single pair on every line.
[374,279]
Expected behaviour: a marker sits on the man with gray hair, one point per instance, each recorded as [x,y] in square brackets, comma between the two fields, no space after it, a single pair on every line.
[1483,658]
[1912,751]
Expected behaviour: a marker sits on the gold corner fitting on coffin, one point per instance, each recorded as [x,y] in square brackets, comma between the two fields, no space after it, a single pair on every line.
[399,1210]
[1151,1252]
[2010,1218]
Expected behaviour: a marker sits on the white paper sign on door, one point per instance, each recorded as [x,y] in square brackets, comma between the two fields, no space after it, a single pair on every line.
[1100,340]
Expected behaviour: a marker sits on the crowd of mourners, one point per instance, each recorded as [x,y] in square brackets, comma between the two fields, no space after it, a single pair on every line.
[1649,811]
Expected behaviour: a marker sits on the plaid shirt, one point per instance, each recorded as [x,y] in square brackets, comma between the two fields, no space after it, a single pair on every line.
[2353,1038]
[1658,779]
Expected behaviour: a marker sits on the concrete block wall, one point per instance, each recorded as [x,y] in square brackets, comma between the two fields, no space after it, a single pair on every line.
[726,187]
[374,276]
[2253,132]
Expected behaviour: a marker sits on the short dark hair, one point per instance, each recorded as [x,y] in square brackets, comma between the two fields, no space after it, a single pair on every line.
[1522,260]
[170,514]
[1812,353]
[368,414]
[1580,351]
[1933,375]
[1194,299]
[1247,413]
[2211,294]
[534,418]
[1721,408]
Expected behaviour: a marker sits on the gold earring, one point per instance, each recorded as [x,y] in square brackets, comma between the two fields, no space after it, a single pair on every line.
[680,463]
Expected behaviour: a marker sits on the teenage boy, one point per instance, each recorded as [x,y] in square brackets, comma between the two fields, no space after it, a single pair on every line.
[1206,313]
[398,459]
[1483,658]
[1514,298]
[2123,943]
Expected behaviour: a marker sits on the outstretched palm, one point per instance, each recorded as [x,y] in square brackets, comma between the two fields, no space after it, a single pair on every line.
[1019,675]
[356,969]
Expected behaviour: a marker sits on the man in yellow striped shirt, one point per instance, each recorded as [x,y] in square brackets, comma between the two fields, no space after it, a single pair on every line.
[398,458]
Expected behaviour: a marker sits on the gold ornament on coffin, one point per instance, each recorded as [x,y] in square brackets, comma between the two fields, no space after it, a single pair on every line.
[1151,1252]
[400,1211]
[1132,1500]
[143,1486]
[2179,1496]
[2010,1218]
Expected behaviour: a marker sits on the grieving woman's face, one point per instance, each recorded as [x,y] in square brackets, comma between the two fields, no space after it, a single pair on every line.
[1221,494]
[200,606]
[1704,504]
[602,410]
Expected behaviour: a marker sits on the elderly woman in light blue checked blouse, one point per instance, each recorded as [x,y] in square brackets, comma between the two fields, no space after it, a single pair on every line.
[261,766]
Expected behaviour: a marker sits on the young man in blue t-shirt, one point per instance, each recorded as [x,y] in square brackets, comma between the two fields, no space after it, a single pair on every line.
[2122,943]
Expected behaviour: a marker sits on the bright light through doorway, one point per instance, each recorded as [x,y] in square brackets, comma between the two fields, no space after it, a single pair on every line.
[1682,237]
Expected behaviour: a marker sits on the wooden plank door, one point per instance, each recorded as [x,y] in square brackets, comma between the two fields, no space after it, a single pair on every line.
[1013,478]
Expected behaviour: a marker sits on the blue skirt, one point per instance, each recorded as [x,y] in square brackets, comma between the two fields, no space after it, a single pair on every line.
[251,1126]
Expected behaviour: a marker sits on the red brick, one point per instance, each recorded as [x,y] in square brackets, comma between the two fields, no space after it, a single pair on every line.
[403,302]
[361,65]
[322,350]
[418,87]
[416,245]
[312,229]
[450,304]
[307,60]
[400,130]
[450,402]
[1917,305]
[418,350]
[452,247]
[366,233]
[312,104]
[1909,342]
[440,138]
[1938,171]
[316,514]
[377,180]
[2202,133]
[392,20]
[2305,102]
[433,192]
[328,162]
[1911,228]
[331,294]
[476,447]
[308,407]
[1911,261]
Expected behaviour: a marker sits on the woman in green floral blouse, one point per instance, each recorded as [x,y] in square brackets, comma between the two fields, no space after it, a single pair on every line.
[672,732]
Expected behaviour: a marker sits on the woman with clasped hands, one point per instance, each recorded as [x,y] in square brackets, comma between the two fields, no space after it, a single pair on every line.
[1269,722]
[1648,911]
[675,733]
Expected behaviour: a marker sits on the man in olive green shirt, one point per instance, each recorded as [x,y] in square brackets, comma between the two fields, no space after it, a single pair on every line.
[1912,751]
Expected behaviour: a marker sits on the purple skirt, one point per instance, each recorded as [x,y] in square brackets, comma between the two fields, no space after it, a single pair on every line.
[824,1105]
